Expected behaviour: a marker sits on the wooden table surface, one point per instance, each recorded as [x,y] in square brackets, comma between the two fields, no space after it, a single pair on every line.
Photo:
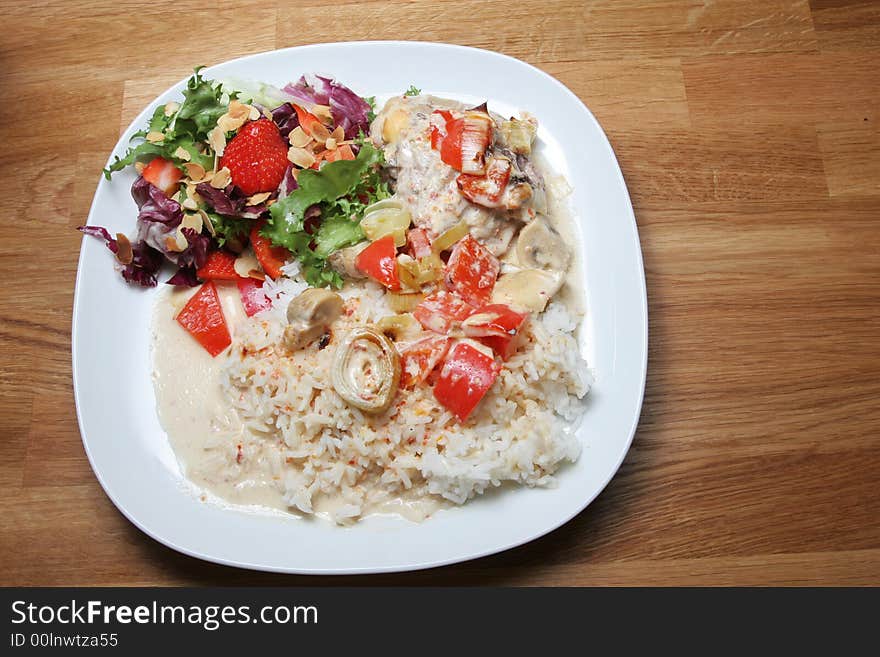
[747,132]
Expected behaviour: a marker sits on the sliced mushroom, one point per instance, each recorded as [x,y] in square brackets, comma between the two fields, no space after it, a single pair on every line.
[366,370]
[540,247]
[310,314]
[343,260]
[527,289]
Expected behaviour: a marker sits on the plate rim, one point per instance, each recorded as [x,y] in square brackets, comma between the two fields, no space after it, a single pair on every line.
[626,445]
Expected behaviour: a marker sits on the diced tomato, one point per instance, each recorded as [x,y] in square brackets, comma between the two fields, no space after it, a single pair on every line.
[439,119]
[379,262]
[271,258]
[440,311]
[163,174]
[497,327]
[203,317]
[343,152]
[466,376]
[307,120]
[486,190]
[219,266]
[471,271]
[418,244]
[252,296]
[420,358]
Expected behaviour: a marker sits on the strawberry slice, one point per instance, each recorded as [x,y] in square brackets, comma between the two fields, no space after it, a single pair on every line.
[163,174]
[256,157]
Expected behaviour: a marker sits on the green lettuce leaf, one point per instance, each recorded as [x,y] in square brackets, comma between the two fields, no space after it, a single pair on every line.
[342,190]
[203,103]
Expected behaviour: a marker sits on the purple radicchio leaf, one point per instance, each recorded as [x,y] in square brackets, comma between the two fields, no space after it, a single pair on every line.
[310,91]
[229,204]
[185,277]
[288,183]
[158,216]
[144,265]
[145,262]
[197,252]
[101,233]
[347,108]
[285,118]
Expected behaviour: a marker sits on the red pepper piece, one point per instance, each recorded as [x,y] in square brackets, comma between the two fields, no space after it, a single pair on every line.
[379,262]
[219,266]
[203,317]
[465,378]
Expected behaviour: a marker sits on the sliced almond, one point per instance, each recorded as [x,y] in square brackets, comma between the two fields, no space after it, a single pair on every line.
[155,137]
[256,199]
[217,140]
[300,157]
[246,263]
[229,123]
[330,144]
[171,108]
[322,112]
[238,109]
[338,134]
[221,179]
[182,154]
[257,274]
[298,137]
[190,204]
[193,221]
[124,254]
[196,172]
[139,167]
[320,132]
[176,241]
[254,113]
[206,220]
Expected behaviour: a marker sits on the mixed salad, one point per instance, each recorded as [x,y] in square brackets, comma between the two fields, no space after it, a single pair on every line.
[292,173]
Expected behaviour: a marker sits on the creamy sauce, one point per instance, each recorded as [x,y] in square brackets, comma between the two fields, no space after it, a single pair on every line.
[559,214]
[203,427]
[201,424]
[190,402]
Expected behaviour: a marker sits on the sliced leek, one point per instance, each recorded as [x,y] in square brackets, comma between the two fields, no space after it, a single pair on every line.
[446,239]
[366,370]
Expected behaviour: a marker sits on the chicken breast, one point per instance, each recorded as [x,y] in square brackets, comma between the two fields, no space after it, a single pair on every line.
[428,186]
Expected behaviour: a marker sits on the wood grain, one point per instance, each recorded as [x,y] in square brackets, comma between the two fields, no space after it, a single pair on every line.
[748,135]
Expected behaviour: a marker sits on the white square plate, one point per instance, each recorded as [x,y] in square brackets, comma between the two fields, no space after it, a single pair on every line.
[129,451]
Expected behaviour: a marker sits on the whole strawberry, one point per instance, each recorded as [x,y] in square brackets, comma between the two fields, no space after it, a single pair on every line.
[256,157]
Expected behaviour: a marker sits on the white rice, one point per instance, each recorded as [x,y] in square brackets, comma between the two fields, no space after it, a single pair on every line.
[318,449]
